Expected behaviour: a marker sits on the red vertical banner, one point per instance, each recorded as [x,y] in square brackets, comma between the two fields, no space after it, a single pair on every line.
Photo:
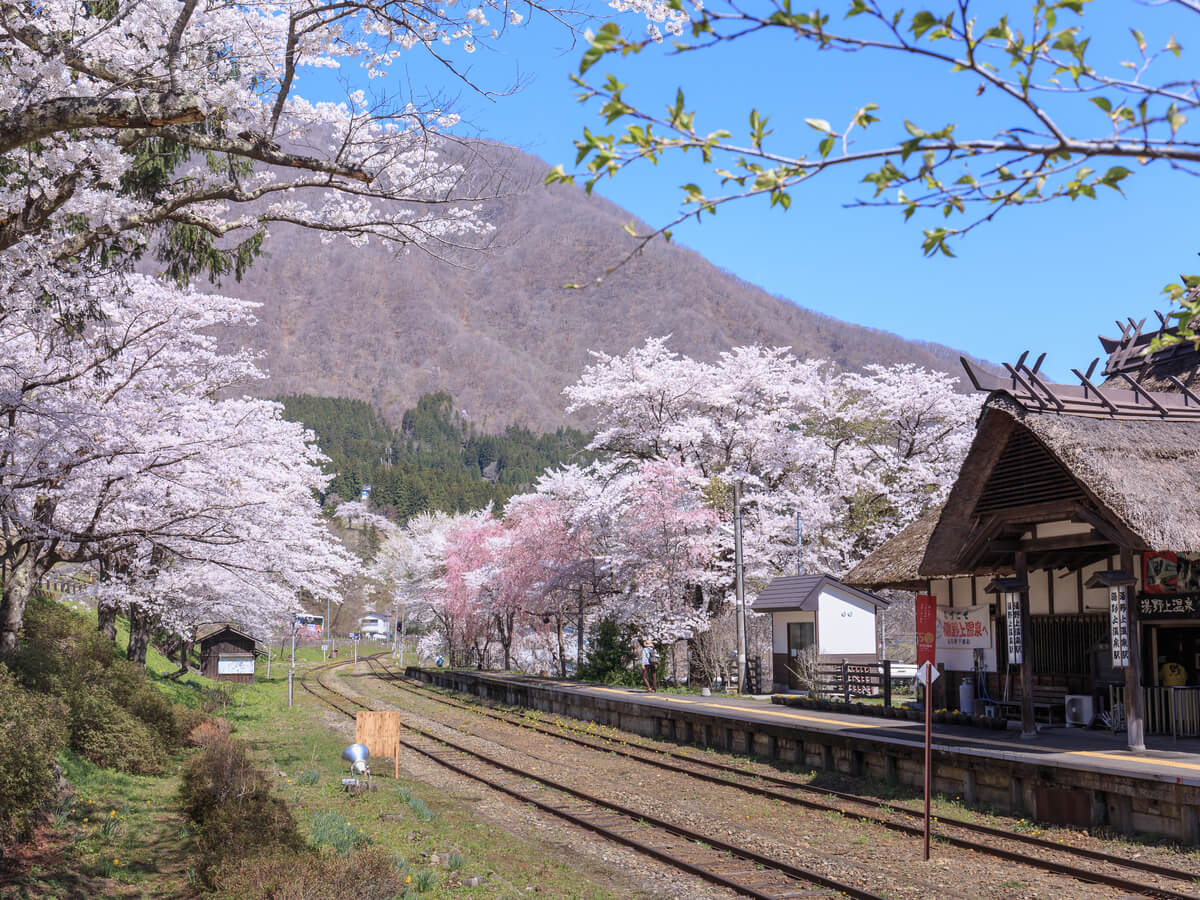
[926,629]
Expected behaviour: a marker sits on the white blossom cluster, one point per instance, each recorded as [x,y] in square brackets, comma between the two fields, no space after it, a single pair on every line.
[673,18]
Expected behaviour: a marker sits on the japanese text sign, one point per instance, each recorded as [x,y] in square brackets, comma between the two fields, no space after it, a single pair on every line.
[926,629]
[969,628]
[1012,616]
[1118,617]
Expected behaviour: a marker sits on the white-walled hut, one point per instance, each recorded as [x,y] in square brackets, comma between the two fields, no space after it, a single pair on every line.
[819,611]
[1075,521]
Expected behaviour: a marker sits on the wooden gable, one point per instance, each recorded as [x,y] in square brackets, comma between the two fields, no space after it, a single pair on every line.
[1025,474]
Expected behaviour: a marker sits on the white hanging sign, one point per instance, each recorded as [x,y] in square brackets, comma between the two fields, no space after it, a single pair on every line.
[1118,617]
[1012,618]
[964,628]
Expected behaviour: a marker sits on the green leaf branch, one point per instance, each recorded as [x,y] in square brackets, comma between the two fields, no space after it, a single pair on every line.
[1032,72]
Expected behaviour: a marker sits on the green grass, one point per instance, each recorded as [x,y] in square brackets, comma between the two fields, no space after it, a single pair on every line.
[414,821]
[125,836]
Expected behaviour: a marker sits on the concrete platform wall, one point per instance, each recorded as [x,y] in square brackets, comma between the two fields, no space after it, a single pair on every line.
[1053,794]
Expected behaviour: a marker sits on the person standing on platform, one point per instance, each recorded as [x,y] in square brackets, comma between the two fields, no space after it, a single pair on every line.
[649,666]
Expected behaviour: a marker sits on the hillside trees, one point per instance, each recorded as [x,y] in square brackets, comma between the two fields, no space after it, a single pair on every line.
[436,460]
[1047,102]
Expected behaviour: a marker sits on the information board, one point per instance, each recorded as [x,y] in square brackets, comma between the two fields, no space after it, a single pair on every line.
[235,665]
[967,628]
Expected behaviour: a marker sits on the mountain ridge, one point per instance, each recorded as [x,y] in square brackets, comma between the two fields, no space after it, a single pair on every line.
[502,335]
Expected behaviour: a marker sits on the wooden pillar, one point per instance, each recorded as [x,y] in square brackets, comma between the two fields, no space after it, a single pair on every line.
[1028,726]
[1134,714]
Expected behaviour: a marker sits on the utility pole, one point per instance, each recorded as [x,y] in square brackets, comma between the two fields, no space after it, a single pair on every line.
[799,544]
[739,587]
[329,625]
[292,670]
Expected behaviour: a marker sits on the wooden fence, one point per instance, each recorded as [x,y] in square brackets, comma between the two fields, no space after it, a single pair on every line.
[849,680]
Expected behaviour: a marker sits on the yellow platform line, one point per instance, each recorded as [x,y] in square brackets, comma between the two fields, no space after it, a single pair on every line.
[1032,751]
[1140,760]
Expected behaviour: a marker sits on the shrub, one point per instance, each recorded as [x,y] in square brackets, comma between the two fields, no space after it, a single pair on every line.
[111,736]
[369,874]
[309,777]
[113,702]
[231,803]
[34,731]
[611,654]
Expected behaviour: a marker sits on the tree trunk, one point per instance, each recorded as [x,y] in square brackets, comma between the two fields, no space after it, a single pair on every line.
[579,637]
[19,583]
[504,625]
[141,625]
[106,619]
[184,648]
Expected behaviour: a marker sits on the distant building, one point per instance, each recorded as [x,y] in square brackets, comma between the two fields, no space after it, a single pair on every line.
[227,654]
[377,626]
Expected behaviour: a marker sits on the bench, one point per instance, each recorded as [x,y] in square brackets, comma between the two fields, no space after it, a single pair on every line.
[1046,698]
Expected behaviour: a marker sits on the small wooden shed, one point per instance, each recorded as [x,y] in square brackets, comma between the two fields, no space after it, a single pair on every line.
[822,612]
[227,654]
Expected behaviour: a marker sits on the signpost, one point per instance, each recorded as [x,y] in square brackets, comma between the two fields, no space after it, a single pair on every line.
[1012,619]
[927,668]
[1118,617]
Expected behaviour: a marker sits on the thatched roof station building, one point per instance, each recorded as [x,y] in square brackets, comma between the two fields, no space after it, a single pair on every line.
[1076,521]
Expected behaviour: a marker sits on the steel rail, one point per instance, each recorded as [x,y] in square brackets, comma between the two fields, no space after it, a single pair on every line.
[1087,875]
[770,864]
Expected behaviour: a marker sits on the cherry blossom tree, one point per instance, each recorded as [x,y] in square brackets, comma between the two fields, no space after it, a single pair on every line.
[855,456]
[550,571]
[410,564]
[119,449]
[463,608]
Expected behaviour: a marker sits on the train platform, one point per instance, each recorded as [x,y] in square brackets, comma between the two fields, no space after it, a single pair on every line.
[1069,776]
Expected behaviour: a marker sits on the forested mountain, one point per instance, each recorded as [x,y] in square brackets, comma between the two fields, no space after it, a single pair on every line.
[436,459]
[497,330]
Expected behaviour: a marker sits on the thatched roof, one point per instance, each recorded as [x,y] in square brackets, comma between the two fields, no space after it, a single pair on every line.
[1140,473]
[1143,471]
[897,562]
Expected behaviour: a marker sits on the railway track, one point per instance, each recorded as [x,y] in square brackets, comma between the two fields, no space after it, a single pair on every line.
[1119,872]
[718,861]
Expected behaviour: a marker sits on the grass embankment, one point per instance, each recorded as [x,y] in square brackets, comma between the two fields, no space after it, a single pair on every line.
[127,835]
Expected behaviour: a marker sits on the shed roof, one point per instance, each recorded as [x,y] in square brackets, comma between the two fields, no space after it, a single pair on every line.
[210,633]
[802,592]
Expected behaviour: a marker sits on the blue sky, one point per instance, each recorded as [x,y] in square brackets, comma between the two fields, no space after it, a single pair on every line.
[1045,279]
